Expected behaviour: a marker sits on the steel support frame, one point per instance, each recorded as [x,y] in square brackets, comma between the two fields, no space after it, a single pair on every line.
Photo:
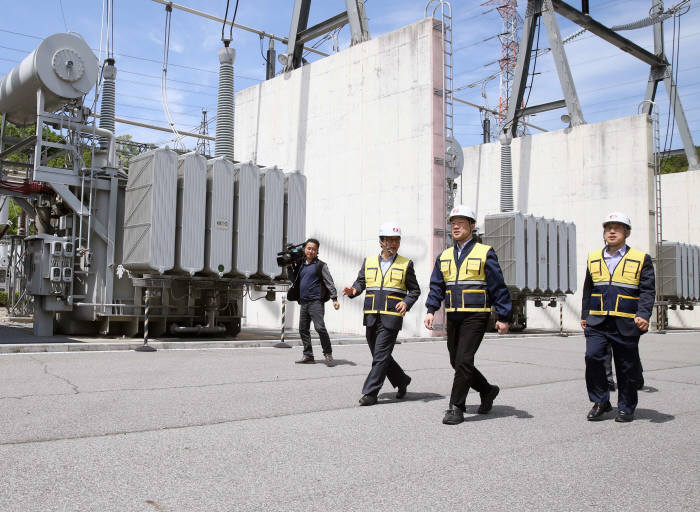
[60,180]
[535,9]
[664,72]
[354,15]
[660,67]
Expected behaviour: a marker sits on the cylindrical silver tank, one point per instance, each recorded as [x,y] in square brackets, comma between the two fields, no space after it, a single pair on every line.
[63,66]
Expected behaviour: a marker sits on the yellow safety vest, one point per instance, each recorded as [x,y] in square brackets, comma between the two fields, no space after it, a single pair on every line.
[384,292]
[466,285]
[616,294]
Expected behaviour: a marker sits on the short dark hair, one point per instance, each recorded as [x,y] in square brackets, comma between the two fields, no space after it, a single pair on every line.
[313,241]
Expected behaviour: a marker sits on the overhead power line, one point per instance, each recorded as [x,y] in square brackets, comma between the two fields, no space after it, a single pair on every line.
[144,59]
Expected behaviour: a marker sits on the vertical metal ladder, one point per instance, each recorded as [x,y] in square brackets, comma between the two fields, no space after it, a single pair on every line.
[661,309]
[447,104]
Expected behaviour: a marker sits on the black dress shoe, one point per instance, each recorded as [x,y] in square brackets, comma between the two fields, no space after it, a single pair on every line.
[624,417]
[487,400]
[368,400]
[612,386]
[453,416]
[401,390]
[305,360]
[598,409]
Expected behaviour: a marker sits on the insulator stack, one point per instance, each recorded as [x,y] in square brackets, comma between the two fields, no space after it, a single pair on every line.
[224,112]
[107,108]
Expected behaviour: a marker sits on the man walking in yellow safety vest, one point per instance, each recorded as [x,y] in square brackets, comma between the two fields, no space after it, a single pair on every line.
[618,297]
[469,279]
[392,289]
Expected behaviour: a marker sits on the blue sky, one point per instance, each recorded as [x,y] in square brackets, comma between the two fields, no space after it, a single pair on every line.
[610,83]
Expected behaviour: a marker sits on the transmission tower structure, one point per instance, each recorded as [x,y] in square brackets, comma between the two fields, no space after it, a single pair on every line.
[511,25]
[203,146]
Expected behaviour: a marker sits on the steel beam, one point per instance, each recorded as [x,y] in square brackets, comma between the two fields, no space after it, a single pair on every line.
[359,28]
[300,18]
[566,81]
[682,123]
[495,112]
[322,28]
[78,207]
[532,12]
[299,34]
[604,32]
[24,204]
[665,73]
[544,107]
[18,147]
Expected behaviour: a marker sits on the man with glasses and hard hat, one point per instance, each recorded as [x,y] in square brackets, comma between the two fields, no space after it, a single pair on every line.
[391,289]
[618,297]
[469,279]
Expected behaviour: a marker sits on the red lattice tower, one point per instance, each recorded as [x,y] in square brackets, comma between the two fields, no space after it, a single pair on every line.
[511,24]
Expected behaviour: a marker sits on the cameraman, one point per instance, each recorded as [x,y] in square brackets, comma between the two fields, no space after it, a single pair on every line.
[312,287]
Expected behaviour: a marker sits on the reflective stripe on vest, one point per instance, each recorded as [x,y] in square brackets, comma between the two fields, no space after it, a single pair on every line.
[466,285]
[384,292]
[616,294]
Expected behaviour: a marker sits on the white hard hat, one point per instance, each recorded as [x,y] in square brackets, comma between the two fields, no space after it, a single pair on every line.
[390,229]
[620,217]
[462,210]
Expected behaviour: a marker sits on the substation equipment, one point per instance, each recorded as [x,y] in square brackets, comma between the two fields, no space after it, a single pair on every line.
[676,264]
[192,234]
[537,257]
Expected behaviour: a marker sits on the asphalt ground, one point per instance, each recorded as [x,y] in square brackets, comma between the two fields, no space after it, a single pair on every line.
[247,429]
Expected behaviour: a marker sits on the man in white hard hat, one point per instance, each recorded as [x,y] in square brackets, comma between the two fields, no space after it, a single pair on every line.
[469,279]
[391,289]
[618,297]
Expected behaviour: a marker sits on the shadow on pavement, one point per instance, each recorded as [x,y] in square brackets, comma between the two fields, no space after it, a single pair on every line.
[649,389]
[652,415]
[498,411]
[390,398]
[338,362]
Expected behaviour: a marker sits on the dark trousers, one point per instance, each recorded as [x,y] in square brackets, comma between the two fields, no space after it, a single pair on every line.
[625,351]
[608,366]
[609,371]
[464,335]
[313,310]
[381,343]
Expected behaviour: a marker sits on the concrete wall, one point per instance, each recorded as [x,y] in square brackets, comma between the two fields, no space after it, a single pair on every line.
[578,174]
[363,125]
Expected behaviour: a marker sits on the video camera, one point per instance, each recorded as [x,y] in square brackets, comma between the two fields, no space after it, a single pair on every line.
[291,255]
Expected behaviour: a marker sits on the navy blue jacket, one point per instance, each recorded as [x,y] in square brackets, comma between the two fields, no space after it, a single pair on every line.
[495,285]
[647,294]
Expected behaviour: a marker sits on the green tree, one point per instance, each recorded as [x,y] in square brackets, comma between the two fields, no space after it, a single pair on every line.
[676,163]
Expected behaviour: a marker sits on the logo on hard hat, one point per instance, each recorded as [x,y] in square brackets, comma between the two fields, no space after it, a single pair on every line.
[396,230]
